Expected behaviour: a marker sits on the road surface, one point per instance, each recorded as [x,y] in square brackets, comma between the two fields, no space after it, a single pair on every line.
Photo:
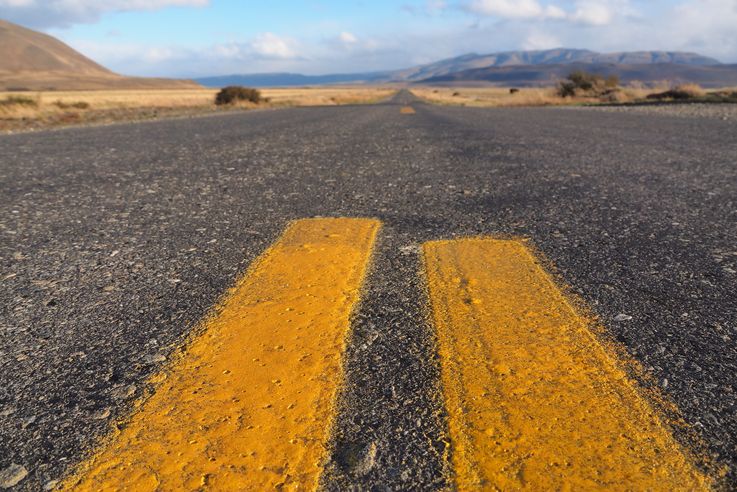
[116,242]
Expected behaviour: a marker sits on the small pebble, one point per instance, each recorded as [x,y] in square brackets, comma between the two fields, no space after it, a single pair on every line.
[12,476]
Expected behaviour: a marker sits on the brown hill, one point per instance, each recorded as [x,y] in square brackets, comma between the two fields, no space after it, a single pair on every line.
[30,60]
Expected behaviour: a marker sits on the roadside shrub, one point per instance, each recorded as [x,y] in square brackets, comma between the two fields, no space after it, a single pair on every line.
[670,94]
[566,89]
[581,83]
[612,82]
[235,93]
[680,93]
[694,89]
[74,105]
[617,97]
[19,101]
[70,117]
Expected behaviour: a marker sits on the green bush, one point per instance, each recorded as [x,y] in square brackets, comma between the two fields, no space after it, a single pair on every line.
[235,93]
[581,83]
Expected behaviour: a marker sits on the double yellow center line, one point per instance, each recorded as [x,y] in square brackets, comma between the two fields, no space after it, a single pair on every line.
[533,400]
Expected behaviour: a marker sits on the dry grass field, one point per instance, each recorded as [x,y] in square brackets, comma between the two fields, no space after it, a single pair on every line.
[487,96]
[503,97]
[30,110]
[327,96]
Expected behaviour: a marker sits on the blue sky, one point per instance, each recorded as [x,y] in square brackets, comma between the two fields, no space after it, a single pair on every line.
[211,37]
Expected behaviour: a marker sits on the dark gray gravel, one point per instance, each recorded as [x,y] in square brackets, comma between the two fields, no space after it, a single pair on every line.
[115,241]
[684,110]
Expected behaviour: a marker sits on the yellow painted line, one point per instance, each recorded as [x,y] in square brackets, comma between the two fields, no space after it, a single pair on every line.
[533,399]
[407,110]
[250,404]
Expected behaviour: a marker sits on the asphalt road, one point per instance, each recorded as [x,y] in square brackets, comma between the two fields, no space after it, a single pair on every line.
[115,241]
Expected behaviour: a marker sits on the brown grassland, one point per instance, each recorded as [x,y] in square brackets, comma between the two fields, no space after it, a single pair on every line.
[486,97]
[33,110]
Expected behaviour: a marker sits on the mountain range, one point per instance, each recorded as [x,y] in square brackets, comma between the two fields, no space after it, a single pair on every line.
[522,68]
[31,60]
[538,75]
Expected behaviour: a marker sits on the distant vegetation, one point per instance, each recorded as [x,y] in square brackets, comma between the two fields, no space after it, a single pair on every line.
[585,84]
[235,93]
[72,105]
[590,87]
[29,102]
[18,101]
[42,109]
[679,93]
[580,88]
[693,93]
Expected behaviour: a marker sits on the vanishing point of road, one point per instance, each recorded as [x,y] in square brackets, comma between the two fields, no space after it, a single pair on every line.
[378,297]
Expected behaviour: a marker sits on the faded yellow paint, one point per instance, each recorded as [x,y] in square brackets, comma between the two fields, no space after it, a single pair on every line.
[534,401]
[407,110]
[250,404]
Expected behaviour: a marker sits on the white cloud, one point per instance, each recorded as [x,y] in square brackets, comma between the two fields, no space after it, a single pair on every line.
[541,41]
[347,38]
[269,45]
[555,12]
[436,5]
[428,7]
[63,13]
[519,9]
[595,13]
[706,26]
[104,5]
[16,3]
[265,52]
[592,13]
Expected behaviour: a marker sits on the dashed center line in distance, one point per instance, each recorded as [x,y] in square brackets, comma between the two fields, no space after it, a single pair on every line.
[534,400]
[251,403]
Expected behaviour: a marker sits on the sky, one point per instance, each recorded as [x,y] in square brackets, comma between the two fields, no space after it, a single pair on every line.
[192,38]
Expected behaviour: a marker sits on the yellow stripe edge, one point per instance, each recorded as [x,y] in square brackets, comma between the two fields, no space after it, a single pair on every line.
[77,472]
[335,401]
[662,406]
[693,447]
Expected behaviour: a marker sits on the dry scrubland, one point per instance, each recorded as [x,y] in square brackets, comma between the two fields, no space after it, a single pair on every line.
[327,96]
[487,96]
[502,97]
[31,110]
